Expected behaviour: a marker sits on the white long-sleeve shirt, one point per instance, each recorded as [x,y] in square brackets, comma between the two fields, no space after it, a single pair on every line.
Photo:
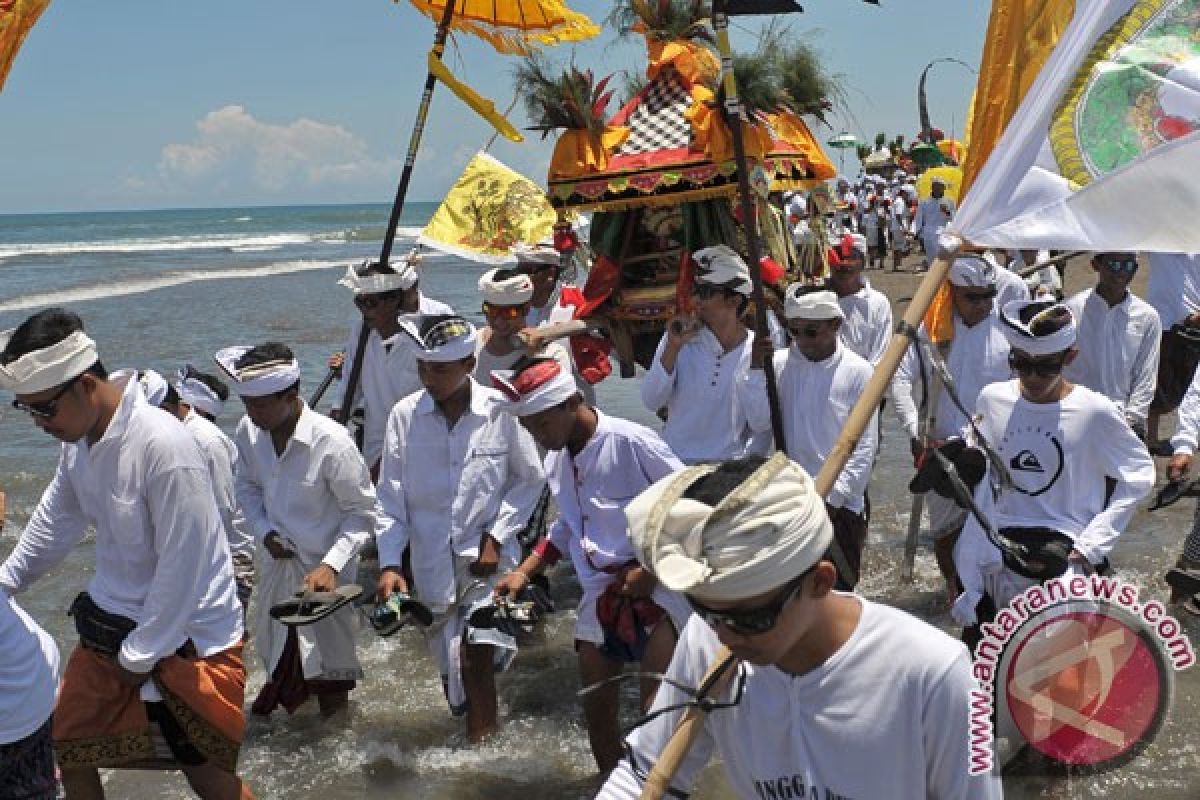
[161,554]
[867,328]
[441,489]
[389,374]
[1173,288]
[930,218]
[317,494]
[704,420]
[593,488]
[887,715]
[815,398]
[1118,350]
[220,455]
[1059,456]
[978,357]
[1187,426]
[29,665]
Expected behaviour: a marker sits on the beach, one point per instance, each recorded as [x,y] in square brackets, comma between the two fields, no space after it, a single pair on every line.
[159,289]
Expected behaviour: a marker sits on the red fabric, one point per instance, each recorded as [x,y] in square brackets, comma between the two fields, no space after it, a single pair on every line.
[683,286]
[770,270]
[547,552]
[287,686]
[590,352]
[626,619]
[602,281]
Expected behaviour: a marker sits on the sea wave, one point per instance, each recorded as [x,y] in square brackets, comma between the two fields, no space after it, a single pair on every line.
[157,244]
[104,291]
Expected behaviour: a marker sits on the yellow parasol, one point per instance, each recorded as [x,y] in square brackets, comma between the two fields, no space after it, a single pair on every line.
[951,175]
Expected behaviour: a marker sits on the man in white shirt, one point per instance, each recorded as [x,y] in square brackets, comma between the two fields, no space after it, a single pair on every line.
[457,484]
[505,339]
[29,666]
[1185,578]
[932,216]
[382,294]
[160,624]
[831,695]
[1174,292]
[1077,469]
[700,360]
[1119,335]
[306,496]
[819,381]
[595,465]
[978,355]
[867,313]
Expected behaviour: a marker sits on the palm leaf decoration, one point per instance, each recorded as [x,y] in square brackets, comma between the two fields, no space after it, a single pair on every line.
[571,99]
[785,71]
[664,20]
[811,89]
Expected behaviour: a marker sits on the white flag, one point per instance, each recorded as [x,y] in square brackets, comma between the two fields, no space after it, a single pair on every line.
[1104,151]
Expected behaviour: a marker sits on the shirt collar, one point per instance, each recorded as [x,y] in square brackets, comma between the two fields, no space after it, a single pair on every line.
[305,432]
[131,397]
[478,405]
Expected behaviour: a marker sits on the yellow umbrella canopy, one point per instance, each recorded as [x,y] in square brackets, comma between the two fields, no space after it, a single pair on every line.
[513,26]
[951,175]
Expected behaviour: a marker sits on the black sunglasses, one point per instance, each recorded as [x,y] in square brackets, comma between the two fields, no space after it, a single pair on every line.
[979,297]
[1025,366]
[808,331]
[707,290]
[751,621]
[371,300]
[1127,265]
[47,408]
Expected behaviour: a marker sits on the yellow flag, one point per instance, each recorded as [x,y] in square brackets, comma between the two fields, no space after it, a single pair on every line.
[16,18]
[488,211]
[1020,37]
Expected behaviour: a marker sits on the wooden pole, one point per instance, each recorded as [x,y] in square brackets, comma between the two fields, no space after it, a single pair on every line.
[692,721]
[928,420]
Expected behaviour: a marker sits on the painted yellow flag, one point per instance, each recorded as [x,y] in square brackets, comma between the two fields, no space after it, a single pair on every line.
[16,18]
[490,209]
[1021,35]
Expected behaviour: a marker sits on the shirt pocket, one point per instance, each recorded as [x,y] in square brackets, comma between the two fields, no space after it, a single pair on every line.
[486,467]
[129,522]
[306,499]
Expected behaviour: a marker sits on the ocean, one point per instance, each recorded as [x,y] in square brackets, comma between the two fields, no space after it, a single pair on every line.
[158,289]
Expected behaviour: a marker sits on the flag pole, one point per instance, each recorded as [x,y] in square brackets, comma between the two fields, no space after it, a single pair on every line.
[389,236]
[719,674]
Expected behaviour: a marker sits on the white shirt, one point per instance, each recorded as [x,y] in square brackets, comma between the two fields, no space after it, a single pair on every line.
[389,374]
[930,217]
[899,221]
[1174,286]
[1059,455]
[1118,350]
[1187,426]
[704,421]
[1009,287]
[886,716]
[29,665]
[815,398]
[220,455]
[317,495]
[867,328]
[978,356]
[442,489]
[162,558]
[592,489]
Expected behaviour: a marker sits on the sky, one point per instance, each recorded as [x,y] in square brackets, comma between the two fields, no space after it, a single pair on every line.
[149,104]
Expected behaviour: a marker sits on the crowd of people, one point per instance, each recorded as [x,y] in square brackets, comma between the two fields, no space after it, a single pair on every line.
[683,540]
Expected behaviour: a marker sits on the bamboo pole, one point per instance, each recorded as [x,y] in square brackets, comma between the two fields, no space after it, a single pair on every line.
[692,721]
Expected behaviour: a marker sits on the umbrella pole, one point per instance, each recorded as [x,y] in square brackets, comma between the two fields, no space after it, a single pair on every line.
[389,236]
[718,675]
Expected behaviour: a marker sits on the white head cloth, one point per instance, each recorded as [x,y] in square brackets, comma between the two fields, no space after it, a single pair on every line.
[197,394]
[858,243]
[440,337]
[973,271]
[801,304]
[514,290]
[720,265]
[540,386]
[938,180]
[49,367]
[259,380]
[154,386]
[764,533]
[404,278]
[1019,317]
[540,253]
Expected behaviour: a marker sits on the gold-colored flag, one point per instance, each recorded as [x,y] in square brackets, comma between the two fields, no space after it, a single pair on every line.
[16,18]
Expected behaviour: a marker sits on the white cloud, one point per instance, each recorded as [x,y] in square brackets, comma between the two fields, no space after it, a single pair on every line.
[231,147]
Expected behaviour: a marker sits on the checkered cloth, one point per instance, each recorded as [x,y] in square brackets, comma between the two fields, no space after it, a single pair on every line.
[658,122]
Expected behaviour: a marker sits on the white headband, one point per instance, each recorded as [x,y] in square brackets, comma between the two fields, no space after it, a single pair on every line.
[534,389]
[440,337]
[49,367]
[405,277]
[720,265]
[536,254]
[1021,337]
[258,380]
[198,394]
[154,386]
[973,271]
[514,290]
[798,304]
[764,533]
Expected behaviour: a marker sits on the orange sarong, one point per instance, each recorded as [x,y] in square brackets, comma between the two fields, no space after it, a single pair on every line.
[101,722]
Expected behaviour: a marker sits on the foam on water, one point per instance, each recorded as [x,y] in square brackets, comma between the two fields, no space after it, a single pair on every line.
[154,244]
